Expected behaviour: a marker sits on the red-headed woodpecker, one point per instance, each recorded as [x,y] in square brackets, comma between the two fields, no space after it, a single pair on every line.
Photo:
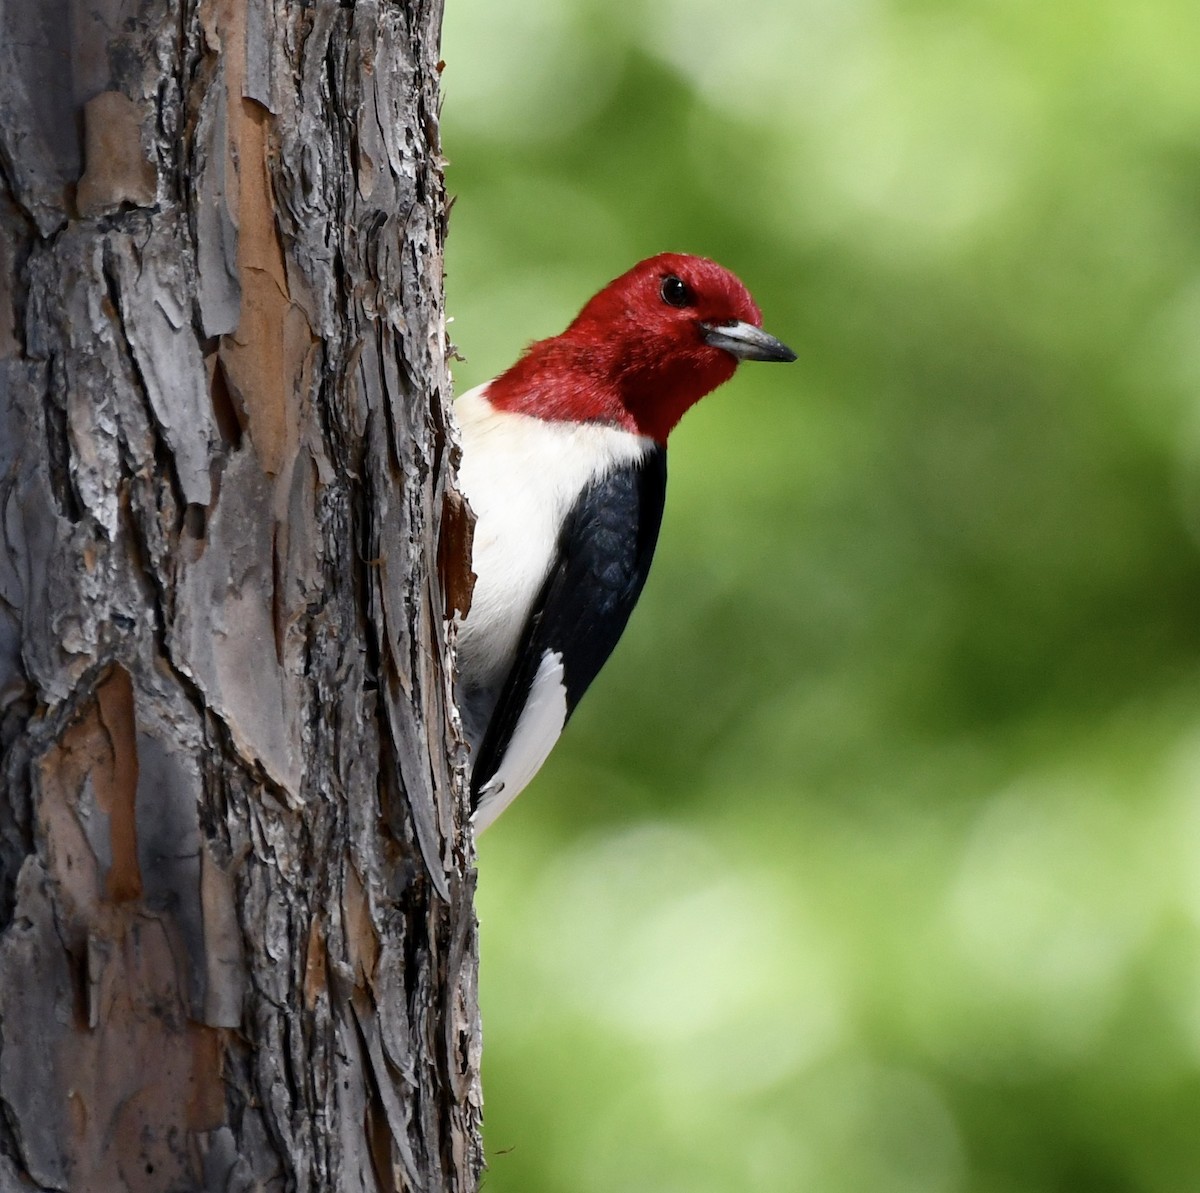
[565,467]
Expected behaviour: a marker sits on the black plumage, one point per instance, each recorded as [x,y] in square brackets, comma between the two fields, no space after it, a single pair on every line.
[604,552]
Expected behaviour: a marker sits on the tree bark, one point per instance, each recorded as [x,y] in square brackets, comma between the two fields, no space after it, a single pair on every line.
[237,938]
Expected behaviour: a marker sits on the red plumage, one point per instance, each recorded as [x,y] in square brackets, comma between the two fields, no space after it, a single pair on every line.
[631,358]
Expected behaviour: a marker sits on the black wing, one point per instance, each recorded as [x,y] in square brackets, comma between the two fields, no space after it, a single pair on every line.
[604,553]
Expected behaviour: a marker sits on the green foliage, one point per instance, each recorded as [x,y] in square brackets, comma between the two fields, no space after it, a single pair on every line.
[871,861]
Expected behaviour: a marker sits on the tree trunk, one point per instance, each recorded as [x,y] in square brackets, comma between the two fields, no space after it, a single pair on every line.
[237,940]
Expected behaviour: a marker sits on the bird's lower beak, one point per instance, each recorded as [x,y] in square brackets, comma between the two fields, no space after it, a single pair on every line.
[745,341]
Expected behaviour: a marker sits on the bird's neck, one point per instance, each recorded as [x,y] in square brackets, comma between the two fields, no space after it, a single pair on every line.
[641,391]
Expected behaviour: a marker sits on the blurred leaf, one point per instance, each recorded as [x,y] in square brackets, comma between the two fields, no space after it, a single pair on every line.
[870,862]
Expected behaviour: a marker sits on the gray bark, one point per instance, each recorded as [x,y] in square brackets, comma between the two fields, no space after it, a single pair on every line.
[237,938]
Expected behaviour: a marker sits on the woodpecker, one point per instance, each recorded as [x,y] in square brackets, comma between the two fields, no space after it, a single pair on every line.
[564,465]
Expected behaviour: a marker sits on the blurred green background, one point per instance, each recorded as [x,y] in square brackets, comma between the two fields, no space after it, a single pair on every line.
[872,861]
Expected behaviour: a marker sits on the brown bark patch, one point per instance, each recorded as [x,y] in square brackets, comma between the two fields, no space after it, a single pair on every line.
[316,977]
[455,538]
[88,815]
[118,169]
[265,357]
[362,944]
[131,1119]
[116,790]
[134,1076]
[206,1106]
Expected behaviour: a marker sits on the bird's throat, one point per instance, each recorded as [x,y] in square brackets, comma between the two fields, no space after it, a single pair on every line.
[644,392]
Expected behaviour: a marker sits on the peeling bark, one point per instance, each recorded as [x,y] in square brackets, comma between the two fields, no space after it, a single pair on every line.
[237,938]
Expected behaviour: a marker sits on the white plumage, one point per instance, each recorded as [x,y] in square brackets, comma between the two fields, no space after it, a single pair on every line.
[540,726]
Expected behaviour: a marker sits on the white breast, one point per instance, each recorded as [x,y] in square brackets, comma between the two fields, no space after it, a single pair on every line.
[521,476]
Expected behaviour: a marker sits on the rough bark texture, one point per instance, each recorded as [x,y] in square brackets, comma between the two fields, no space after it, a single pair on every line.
[237,941]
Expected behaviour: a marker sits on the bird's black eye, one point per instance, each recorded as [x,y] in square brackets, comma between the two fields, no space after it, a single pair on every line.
[676,292]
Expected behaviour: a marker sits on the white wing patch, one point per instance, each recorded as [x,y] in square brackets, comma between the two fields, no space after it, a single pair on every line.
[541,722]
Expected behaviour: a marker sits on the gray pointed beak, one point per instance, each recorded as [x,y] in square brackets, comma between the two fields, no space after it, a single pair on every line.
[745,341]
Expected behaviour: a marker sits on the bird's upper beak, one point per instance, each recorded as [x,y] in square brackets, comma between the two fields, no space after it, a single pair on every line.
[745,341]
